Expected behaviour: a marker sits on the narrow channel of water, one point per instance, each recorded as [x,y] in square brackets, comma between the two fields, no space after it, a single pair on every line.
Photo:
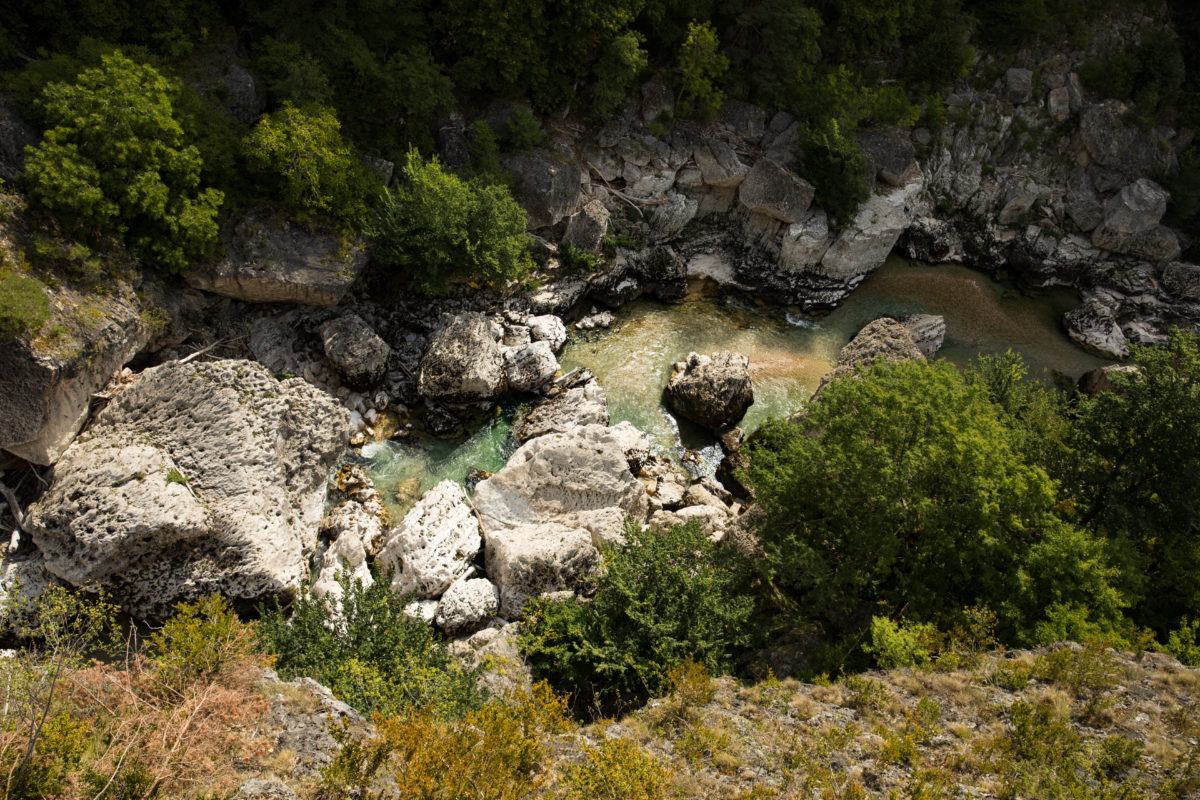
[788,352]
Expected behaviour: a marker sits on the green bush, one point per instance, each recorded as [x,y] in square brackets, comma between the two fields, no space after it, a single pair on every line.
[114,163]
[701,68]
[362,645]
[314,169]
[438,228]
[201,641]
[901,488]
[615,73]
[664,598]
[1184,642]
[24,305]
[836,167]
[483,148]
[903,644]
[616,769]
[522,131]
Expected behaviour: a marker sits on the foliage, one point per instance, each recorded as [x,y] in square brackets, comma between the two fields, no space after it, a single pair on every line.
[701,68]
[836,167]
[616,769]
[1184,642]
[901,489]
[313,168]
[575,260]
[483,148]
[903,644]
[292,74]
[439,228]
[24,305]
[1151,74]
[664,597]
[490,753]
[770,45]
[1135,450]
[136,729]
[114,163]
[361,644]
[169,27]
[1033,412]
[616,73]
[203,640]
[522,131]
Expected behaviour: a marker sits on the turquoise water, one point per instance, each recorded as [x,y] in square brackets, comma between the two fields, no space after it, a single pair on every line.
[788,352]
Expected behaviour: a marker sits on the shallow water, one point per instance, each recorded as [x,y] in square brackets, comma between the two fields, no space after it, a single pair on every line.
[788,352]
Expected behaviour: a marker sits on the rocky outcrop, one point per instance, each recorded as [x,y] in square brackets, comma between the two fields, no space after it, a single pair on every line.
[577,479]
[467,606]
[199,477]
[719,166]
[462,361]
[548,328]
[1131,223]
[1182,281]
[546,186]
[1093,326]
[355,350]
[529,367]
[890,154]
[581,401]
[884,339]
[47,394]
[353,530]
[269,259]
[713,390]
[775,191]
[434,545]
[927,331]
[15,136]
[23,579]
[1128,149]
[587,227]
[527,561]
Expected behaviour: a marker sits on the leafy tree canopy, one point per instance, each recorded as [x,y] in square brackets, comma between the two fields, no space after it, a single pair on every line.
[114,164]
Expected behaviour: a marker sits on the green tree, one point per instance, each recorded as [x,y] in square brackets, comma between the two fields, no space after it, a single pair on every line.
[837,168]
[616,72]
[1137,450]
[437,228]
[315,170]
[114,163]
[665,597]
[701,68]
[902,490]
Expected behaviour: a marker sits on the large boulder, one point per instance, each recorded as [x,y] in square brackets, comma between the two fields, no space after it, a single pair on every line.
[578,479]
[1131,223]
[269,259]
[197,478]
[351,528]
[527,561]
[927,331]
[890,153]
[546,186]
[713,390]
[435,543]
[1018,85]
[462,361]
[587,227]
[1094,327]
[582,403]
[885,338]
[1113,143]
[775,191]
[719,166]
[47,393]
[467,606]
[1182,280]
[548,328]
[355,350]
[529,367]
[869,238]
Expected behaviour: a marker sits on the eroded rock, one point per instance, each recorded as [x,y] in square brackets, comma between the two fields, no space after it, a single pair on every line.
[713,390]
[355,350]
[435,543]
[462,362]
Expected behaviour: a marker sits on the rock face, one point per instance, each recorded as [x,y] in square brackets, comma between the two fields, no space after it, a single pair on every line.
[927,331]
[529,367]
[712,390]
[587,227]
[355,349]
[467,606]
[462,362]
[885,338]
[434,544]
[271,260]
[546,187]
[1093,326]
[775,191]
[582,403]
[46,396]
[531,560]
[1125,148]
[1131,223]
[1182,280]
[15,136]
[199,477]
[891,154]
[577,479]
[548,328]
[719,165]
[1019,85]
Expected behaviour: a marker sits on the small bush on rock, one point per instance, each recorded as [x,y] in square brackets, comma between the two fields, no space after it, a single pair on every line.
[664,598]
[23,304]
[368,651]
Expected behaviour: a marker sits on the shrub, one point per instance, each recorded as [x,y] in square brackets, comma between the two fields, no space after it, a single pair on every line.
[701,68]
[491,753]
[836,167]
[202,641]
[664,598]
[362,645]
[314,169]
[484,151]
[1184,642]
[902,644]
[616,769]
[440,228]
[616,72]
[24,305]
[114,163]
[522,131]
